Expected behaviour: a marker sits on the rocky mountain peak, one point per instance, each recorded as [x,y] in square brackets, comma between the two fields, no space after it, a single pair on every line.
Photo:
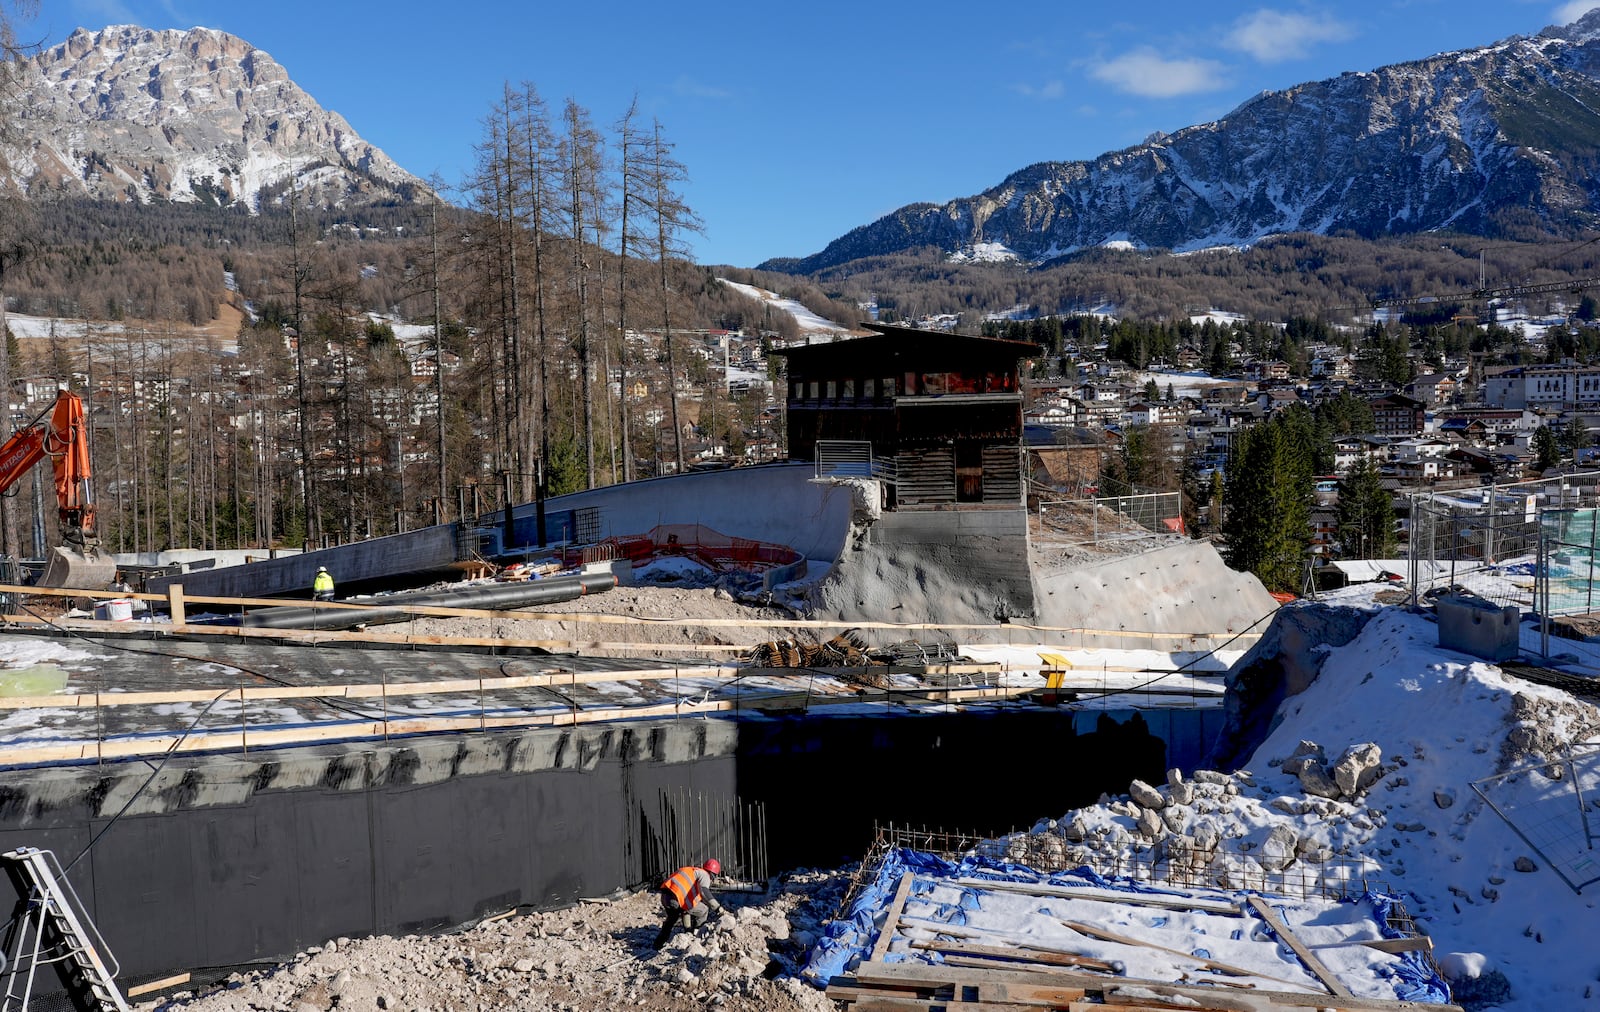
[129,113]
[1501,140]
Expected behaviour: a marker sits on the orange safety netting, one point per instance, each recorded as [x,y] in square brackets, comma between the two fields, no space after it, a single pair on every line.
[709,547]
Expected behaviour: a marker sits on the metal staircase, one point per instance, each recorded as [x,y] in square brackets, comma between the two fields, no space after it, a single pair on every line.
[51,928]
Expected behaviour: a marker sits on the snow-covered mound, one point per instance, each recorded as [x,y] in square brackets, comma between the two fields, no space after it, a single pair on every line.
[1368,774]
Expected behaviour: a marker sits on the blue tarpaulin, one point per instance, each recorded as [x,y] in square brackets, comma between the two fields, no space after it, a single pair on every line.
[848,939]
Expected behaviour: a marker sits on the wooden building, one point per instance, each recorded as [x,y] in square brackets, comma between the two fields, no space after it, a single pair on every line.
[942,412]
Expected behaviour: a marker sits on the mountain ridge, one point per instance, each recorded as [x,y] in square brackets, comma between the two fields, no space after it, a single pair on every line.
[1498,140]
[131,113]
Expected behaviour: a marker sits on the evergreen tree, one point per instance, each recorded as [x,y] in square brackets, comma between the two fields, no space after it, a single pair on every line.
[1366,514]
[1268,495]
[1546,449]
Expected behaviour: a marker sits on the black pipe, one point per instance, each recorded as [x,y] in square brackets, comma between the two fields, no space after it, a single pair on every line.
[492,597]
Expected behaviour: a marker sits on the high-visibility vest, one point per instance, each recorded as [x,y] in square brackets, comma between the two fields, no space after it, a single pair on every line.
[324,581]
[684,887]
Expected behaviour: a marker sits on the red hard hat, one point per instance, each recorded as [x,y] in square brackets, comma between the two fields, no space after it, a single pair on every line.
[713,866]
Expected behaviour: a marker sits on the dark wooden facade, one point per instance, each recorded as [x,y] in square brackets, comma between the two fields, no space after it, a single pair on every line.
[945,409]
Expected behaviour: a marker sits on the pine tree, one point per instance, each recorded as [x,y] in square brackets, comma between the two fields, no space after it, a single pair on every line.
[1366,514]
[1546,449]
[1268,495]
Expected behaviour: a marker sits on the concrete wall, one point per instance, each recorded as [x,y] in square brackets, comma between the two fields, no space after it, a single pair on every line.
[1184,588]
[246,858]
[963,566]
[774,502]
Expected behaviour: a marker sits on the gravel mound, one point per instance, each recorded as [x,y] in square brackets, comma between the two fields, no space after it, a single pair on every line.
[592,957]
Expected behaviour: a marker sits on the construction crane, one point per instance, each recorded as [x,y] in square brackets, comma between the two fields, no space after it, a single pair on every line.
[1483,293]
[1576,287]
[61,433]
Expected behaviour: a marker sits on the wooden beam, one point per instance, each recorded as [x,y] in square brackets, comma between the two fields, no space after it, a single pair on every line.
[157,985]
[1133,899]
[578,616]
[931,977]
[239,739]
[1210,964]
[1042,957]
[1309,958]
[891,920]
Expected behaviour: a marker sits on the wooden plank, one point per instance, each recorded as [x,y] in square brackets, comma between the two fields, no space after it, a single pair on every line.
[1309,958]
[157,985]
[1045,957]
[890,1004]
[591,617]
[1025,993]
[239,739]
[1133,899]
[923,975]
[1415,943]
[891,920]
[1212,964]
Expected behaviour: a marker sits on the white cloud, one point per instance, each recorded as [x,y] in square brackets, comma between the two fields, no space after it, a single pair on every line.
[1048,90]
[1272,36]
[693,88]
[1146,72]
[1567,13]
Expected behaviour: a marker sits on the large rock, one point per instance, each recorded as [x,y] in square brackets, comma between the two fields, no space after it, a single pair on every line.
[1316,781]
[1279,849]
[1358,768]
[1146,796]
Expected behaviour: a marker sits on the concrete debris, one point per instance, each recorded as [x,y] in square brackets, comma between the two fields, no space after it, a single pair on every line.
[593,957]
[1146,796]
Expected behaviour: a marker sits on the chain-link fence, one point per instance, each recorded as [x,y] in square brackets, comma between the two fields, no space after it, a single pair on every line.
[1490,534]
[1114,518]
[1547,804]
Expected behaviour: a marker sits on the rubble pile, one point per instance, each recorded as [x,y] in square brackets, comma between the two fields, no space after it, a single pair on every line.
[592,957]
[1222,829]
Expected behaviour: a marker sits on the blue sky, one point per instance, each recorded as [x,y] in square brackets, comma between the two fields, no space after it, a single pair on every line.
[799,122]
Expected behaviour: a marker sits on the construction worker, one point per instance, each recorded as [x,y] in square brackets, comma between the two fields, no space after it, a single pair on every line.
[687,895]
[322,586]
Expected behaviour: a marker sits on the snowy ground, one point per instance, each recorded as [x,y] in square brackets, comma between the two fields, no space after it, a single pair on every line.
[1505,924]
[810,323]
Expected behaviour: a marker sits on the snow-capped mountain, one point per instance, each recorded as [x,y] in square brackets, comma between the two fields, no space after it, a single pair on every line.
[133,114]
[1506,137]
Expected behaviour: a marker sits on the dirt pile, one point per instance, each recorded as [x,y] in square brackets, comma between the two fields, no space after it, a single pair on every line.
[593,957]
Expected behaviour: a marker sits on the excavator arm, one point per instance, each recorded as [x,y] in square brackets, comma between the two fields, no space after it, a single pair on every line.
[64,438]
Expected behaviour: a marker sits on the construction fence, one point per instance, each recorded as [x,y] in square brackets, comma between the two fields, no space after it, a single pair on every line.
[1547,805]
[1103,519]
[1509,539]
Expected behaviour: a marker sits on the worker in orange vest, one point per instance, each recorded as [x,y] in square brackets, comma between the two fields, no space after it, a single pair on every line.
[686,894]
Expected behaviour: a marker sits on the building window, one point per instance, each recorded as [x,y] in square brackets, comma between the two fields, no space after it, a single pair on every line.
[833,390]
[849,389]
[869,389]
[814,389]
[888,386]
[909,384]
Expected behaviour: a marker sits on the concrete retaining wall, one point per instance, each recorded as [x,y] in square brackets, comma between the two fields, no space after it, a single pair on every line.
[961,566]
[1183,588]
[224,860]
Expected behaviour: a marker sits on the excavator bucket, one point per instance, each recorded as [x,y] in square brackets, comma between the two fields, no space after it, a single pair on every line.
[77,571]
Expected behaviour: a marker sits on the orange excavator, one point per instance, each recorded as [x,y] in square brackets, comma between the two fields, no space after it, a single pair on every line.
[78,562]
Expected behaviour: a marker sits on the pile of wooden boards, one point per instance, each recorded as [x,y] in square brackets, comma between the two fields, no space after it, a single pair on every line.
[976,976]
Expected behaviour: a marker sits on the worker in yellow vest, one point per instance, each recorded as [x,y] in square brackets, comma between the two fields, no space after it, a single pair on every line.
[322,586]
[686,894]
